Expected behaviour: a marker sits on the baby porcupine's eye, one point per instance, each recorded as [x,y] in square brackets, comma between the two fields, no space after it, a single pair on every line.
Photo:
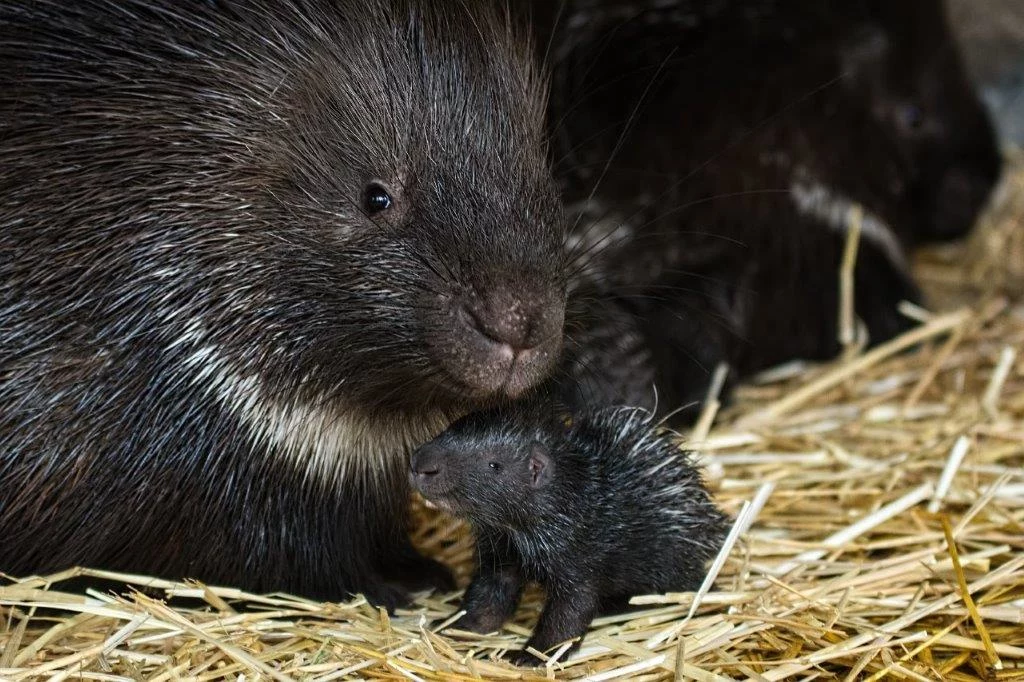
[376,199]
[496,466]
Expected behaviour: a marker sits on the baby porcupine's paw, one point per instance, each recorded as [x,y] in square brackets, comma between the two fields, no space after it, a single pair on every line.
[521,658]
[480,621]
[491,598]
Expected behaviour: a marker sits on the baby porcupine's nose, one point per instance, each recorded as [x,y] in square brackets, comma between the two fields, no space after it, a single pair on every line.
[424,466]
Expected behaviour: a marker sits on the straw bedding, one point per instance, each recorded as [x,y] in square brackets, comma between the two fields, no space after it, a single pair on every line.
[880,533]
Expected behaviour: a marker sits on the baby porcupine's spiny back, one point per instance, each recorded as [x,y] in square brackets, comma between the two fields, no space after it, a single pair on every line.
[648,477]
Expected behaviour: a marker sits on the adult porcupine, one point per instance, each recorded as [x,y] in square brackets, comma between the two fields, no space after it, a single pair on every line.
[250,252]
[714,150]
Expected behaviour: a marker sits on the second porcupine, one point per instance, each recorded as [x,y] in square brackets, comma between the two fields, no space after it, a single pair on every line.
[714,151]
[250,253]
[596,511]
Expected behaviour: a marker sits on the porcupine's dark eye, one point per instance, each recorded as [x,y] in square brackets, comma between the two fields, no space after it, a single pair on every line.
[376,199]
[495,465]
[911,117]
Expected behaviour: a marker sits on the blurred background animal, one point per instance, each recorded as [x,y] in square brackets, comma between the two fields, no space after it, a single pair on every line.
[712,152]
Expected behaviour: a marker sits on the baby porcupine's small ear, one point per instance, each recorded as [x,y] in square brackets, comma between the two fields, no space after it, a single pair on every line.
[541,466]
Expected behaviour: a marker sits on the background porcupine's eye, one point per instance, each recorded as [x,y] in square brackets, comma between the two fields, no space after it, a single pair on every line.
[376,199]
[911,117]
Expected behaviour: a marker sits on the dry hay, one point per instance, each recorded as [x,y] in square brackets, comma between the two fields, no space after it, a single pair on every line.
[884,495]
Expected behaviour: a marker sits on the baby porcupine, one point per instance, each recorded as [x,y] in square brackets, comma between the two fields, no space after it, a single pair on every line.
[596,510]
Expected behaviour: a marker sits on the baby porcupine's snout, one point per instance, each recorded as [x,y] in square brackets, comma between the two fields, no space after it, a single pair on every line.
[427,470]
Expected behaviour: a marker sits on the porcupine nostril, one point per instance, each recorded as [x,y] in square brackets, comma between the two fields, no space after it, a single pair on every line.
[426,462]
[511,321]
[505,335]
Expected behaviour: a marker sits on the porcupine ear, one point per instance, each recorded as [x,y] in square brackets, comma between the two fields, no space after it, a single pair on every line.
[541,466]
[862,55]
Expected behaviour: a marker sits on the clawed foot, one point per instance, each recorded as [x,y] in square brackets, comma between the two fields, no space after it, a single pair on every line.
[388,596]
[521,658]
[476,622]
[420,573]
[415,572]
[396,583]
[397,590]
[481,621]
[518,657]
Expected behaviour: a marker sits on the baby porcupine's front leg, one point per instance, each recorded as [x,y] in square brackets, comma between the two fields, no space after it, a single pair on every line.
[570,607]
[492,597]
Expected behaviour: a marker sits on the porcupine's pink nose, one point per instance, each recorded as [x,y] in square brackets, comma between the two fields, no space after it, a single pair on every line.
[515,334]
